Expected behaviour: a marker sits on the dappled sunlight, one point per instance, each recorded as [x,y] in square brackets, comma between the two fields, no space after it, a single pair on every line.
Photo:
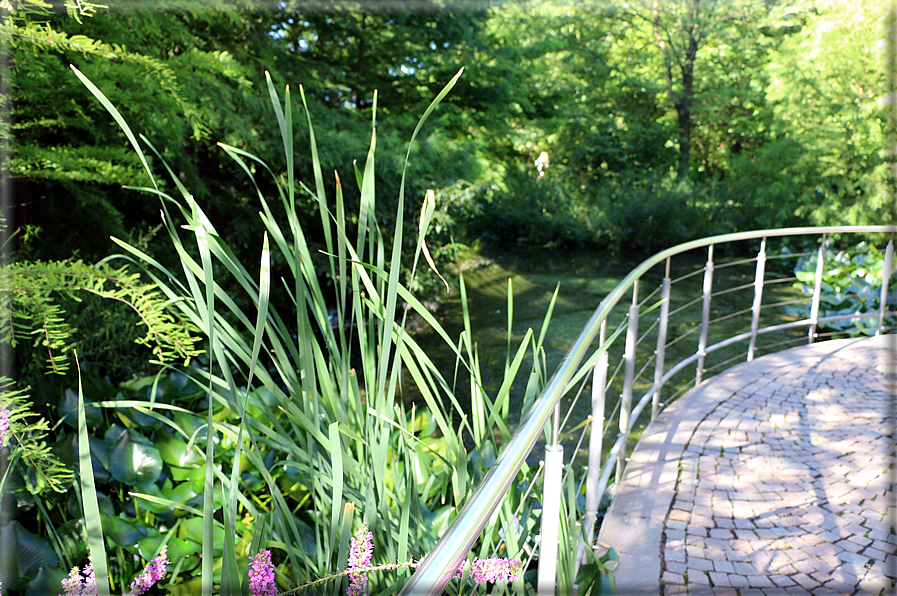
[784,481]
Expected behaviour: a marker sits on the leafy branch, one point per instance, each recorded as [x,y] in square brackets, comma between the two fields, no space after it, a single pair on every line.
[44,470]
[29,295]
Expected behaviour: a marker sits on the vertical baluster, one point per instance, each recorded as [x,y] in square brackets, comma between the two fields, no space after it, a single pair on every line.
[629,376]
[885,279]
[596,441]
[817,291]
[705,316]
[758,298]
[551,509]
[660,353]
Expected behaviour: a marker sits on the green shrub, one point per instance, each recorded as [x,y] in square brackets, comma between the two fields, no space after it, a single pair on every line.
[322,420]
[851,285]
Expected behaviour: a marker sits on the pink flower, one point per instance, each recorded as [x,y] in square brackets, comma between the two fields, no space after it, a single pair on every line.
[492,570]
[75,585]
[261,575]
[90,581]
[72,584]
[361,551]
[4,425]
[150,574]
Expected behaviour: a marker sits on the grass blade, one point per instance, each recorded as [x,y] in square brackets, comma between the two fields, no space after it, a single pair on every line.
[93,527]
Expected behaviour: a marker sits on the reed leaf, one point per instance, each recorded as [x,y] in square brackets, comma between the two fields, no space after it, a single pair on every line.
[93,527]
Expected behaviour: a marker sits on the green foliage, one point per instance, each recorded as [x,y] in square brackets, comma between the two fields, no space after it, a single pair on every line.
[322,414]
[54,307]
[41,471]
[851,285]
[827,85]
[780,124]
[147,471]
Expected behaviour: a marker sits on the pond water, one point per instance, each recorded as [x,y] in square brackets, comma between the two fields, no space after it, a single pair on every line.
[582,278]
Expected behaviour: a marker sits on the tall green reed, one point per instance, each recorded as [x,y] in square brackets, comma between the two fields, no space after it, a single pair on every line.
[337,445]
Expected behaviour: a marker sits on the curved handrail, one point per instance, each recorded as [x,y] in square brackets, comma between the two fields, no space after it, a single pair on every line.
[438,567]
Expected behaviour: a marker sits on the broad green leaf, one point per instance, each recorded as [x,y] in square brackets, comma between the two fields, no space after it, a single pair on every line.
[133,459]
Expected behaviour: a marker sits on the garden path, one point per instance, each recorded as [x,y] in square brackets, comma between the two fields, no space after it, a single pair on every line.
[774,477]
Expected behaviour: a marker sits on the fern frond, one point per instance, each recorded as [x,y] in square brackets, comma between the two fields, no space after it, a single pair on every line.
[29,307]
[43,470]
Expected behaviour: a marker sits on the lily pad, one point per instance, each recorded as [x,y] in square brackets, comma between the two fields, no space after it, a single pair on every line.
[133,459]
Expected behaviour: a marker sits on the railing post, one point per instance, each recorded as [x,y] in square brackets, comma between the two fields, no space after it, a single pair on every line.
[758,298]
[551,509]
[817,292]
[596,442]
[660,353]
[705,316]
[885,279]
[629,375]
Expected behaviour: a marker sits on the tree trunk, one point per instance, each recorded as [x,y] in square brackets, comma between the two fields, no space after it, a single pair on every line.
[683,104]
[682,100]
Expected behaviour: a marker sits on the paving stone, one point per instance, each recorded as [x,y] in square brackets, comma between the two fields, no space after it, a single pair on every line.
[677,556]
[694,551]
[842,575]
[702,564]
[672,578]
[783,581]
[698,576]
[724,523]
[874,553]
[848,546]
[743,568]
[797,555]
[805,581]
[873,586]
[886,547]
[860,540]
[737,581]
[853,558]
[825,591]
[759,581]
[679,568]
[841,587]
[719,578]
[691,540]
[723,566]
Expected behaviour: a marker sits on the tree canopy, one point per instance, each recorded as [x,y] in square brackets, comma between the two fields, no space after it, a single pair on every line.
[733,114]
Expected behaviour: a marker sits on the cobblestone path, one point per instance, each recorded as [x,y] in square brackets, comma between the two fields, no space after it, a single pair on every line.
[786,485]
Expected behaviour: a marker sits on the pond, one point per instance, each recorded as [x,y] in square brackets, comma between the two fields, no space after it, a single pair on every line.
[582,279]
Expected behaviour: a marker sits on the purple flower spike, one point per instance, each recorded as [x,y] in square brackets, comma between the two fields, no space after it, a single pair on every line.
[75,585]
[72,584]
[360,553]
[4,425]
[90,581]
[261,575]
[494,570]
[150,574]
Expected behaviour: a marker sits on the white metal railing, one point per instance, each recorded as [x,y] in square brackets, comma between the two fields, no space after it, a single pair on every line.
[438,567]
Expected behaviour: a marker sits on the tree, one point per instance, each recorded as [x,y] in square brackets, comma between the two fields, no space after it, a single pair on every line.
[677,31]
[827,87]
[68,162]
